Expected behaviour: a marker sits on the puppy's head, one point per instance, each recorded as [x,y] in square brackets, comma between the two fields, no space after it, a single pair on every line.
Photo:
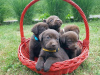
[74,28]
[49,39]
[39,28]
[54,22]
[69,40]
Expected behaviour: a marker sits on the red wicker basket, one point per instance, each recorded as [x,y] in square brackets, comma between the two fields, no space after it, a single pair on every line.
[57,68]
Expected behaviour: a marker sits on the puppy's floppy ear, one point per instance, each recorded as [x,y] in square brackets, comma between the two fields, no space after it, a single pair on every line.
[41,36]
[62,39]
[61,31]
[35,29]
[44,20]
[77,31]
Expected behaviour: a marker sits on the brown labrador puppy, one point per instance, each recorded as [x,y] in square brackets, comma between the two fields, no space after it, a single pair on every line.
[54,22]
[67,28]
[51,51]
[68,42]
[34,44]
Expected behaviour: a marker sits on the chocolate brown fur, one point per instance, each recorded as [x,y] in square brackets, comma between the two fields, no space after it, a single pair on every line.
[68,42]
[34,45]
[50,41]
[67,28]
[54,22]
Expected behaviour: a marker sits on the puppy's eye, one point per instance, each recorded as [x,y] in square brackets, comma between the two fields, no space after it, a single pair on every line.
[51,20]
[48,37]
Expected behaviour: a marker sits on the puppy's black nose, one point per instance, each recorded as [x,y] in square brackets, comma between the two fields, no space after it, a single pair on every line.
[53,44]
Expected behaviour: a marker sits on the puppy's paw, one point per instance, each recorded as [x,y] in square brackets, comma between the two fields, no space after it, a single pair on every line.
[46,68]
[39,67]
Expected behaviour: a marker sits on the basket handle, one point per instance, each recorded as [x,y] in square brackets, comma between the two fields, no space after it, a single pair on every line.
[86,40]
[22,18]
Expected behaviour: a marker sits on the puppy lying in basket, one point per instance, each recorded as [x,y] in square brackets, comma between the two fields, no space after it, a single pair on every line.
[51,51]
[34,44]
[54,22]
[69,42]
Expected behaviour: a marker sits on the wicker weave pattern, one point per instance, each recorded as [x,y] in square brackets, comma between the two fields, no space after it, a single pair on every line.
[57,68]
[60,67]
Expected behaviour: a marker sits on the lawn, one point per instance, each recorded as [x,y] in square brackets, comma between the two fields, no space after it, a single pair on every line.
[10,40]
[96,7]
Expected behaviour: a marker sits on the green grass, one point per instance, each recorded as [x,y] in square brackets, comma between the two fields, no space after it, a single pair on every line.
[85,5]
[96,7]
[10,40]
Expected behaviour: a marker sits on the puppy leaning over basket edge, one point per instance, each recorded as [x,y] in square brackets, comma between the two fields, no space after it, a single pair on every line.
[51,51]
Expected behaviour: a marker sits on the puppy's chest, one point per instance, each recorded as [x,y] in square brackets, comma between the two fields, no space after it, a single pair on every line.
[46,55]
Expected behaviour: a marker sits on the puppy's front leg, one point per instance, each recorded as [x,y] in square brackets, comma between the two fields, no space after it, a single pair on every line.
[31,53]
[39,64]
[49,62]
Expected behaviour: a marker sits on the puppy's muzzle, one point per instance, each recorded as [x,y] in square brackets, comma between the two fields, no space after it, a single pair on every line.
[53,45]
[58,21]
[73,46]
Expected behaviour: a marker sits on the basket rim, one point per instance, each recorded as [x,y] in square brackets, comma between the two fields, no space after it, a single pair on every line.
[80,57]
